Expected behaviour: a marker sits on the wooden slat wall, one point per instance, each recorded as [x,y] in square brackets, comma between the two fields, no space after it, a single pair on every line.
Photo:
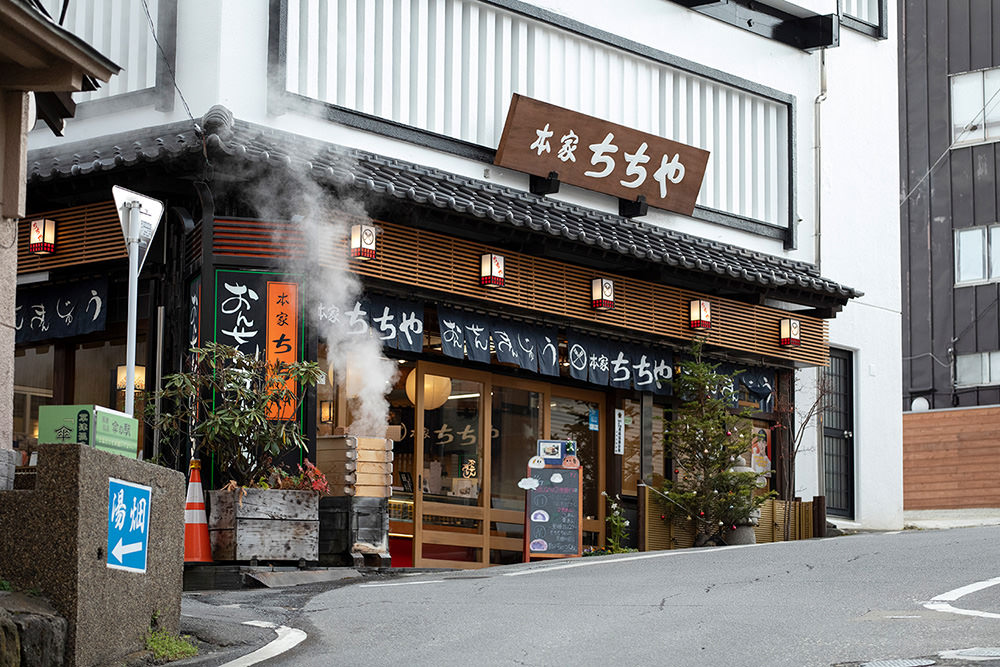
[430,260]
[84,234]
[662,535]
[771,528]
[951,459]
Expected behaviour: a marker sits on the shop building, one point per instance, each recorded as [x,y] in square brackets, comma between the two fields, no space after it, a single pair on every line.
[392,115]
[950,90]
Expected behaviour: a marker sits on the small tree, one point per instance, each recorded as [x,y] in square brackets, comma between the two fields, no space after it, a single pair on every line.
[794,422]
[707,440]
[239,408]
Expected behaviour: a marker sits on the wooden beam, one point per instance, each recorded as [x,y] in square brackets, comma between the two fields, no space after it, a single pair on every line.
[60,77]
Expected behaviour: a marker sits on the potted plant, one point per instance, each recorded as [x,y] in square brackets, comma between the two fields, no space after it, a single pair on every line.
[245,414]
[711,486]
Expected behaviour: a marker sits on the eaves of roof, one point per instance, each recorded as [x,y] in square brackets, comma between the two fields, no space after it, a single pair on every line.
[225,140]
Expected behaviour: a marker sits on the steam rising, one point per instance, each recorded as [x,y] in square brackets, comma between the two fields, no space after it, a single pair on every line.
[321,267]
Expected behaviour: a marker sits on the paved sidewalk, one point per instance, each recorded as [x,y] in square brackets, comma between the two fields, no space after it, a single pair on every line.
[934,519]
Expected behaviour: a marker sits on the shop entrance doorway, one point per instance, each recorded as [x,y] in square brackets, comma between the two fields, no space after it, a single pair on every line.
[471,433]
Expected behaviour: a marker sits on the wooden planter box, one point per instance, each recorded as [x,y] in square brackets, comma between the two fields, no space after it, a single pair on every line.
[264,524]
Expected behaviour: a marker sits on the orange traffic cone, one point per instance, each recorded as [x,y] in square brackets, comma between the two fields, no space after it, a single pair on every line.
[197,548]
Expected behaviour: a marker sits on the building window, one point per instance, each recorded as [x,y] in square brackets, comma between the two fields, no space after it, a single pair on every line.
[975,107]
[450,71]
[865,16]
[977,255]
[980,368]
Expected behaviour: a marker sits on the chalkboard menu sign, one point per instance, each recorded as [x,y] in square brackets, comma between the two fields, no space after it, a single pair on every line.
[552,515]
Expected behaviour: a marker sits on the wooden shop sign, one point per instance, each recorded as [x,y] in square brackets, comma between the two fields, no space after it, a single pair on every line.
[540,138]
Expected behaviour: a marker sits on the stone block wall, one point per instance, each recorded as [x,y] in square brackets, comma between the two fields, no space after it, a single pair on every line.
[7,459]
[55,540]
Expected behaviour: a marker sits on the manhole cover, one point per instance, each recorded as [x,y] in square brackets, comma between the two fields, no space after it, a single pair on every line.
[906,662]
[974,653]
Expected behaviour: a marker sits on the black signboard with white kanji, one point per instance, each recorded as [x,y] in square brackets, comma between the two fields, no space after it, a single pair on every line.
[397,323]
[60,311]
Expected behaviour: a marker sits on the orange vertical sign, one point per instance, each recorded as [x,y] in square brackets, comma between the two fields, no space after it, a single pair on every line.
[282,334]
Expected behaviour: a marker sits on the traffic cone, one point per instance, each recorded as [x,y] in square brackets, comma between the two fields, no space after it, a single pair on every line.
[197,548]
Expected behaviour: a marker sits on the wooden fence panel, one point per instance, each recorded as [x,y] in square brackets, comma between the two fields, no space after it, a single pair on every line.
[951,459]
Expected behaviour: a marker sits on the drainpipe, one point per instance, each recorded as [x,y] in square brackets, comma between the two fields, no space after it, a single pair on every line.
[817,158]
[818,233]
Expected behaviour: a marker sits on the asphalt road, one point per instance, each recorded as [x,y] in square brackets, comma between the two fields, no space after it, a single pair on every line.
[840,601]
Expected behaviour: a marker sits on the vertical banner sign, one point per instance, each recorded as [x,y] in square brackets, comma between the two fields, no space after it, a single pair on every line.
[619,431]
[128,525]
[282,342]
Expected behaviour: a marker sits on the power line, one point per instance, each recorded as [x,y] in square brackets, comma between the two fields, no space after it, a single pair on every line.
[166,61]
[928,354]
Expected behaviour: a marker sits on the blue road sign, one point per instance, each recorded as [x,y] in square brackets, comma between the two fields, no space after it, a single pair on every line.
[128,525]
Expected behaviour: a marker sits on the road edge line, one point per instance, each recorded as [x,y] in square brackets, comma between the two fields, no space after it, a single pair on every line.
[287,639]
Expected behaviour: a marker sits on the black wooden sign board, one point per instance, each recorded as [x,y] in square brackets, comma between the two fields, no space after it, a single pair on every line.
[552,515]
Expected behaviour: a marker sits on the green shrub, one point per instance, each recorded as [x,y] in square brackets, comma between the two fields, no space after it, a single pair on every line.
[168,647]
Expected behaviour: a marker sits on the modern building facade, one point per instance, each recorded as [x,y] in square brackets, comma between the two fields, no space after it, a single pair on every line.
[950,112]
[296,124]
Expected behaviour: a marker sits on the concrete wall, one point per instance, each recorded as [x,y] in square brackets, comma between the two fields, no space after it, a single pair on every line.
[55,539]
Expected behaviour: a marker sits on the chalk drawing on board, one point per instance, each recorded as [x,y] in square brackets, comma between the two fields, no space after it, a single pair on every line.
[538,545]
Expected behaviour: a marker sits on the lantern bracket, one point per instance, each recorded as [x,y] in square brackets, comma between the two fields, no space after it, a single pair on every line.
[544,185]
[633,209]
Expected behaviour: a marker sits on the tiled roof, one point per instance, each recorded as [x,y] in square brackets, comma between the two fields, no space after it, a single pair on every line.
[225,138]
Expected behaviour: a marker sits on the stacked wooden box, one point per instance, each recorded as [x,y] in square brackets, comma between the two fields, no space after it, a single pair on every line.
[356,466]
[354,525]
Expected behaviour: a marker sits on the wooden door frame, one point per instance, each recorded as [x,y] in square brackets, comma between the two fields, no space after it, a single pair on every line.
[599,398]
[484,512]
[480,512]
[513,516]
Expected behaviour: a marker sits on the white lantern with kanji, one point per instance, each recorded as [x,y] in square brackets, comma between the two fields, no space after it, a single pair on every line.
[790,333]
[602,294]
[363,241]
[42,237]
[701,314]
[491,270]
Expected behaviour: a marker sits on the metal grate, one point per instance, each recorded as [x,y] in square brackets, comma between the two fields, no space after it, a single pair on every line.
[838,436]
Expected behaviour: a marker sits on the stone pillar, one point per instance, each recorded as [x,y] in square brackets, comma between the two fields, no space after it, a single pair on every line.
[8,294]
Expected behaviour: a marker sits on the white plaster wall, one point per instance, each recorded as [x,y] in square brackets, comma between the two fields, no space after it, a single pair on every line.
[860,247]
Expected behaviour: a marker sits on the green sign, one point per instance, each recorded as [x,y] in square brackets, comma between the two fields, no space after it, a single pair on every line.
[92,425]
[115,432]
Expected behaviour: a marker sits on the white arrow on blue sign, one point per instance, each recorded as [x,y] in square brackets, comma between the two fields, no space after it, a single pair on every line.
[129,506]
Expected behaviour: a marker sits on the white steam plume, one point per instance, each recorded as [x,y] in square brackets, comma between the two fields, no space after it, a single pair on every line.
[356,360]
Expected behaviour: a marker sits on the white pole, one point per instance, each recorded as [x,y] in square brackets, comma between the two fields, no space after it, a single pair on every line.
[159,377]
[132,243]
